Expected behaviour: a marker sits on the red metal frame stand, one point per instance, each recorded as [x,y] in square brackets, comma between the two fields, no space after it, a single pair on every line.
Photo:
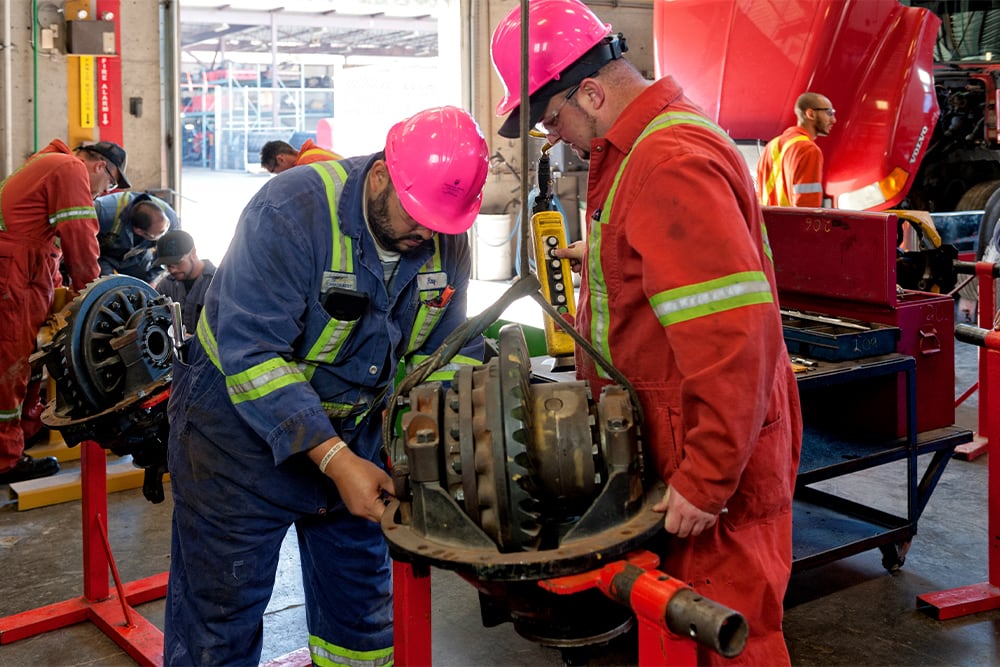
[986,309]
[411,614]
[111,611]
[657,645]
[985,596]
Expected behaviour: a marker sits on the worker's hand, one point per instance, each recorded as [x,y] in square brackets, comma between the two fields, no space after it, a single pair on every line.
[683,519]
[574,252]
[361,483]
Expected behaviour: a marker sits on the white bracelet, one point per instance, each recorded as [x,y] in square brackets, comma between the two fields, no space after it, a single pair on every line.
[330,453]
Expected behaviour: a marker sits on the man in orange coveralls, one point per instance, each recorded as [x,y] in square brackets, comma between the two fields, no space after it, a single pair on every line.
[790,170]
[51,195]
[279,156]
[678,292]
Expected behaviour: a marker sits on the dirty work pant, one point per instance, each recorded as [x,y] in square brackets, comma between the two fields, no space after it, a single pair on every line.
[232,509]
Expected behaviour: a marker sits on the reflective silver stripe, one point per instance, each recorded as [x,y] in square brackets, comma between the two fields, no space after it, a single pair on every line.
[328,344]
[806,188]
[78,213]
[262,379]
[326,654]
[710,297]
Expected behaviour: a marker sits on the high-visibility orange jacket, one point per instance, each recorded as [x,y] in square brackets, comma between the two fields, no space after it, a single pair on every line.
[790,171]
[310,152]
[46,198]
[678,292]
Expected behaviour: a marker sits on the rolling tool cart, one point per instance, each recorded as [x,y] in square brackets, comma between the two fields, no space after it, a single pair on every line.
[876,376]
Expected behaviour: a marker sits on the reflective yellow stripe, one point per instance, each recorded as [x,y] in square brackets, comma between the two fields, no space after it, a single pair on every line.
[427,316]
[712,296]
[447,372]
[262,379]
[342,252]
[207,339]
[325,654]
[122,203]
[776,179]
[326,347]
[10,415]
[338,410]
[77,213]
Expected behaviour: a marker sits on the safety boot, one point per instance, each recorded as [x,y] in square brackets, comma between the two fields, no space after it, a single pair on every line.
[30,468]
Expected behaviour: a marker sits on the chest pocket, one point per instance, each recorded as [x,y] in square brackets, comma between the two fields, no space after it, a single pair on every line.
[433,293]
[338,281]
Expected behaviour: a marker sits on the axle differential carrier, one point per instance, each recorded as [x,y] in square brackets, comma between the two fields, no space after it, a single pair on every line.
[509,482]
[111,363]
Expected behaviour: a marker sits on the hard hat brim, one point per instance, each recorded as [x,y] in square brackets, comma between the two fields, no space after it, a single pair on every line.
[587,66]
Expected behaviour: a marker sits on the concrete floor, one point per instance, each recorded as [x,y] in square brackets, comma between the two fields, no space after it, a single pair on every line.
[849,612]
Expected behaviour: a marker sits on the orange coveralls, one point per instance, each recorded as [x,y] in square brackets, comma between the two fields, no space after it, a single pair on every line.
[678,291]
[47,197]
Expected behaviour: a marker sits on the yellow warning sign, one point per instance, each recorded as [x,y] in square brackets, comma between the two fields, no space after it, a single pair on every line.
[87,91]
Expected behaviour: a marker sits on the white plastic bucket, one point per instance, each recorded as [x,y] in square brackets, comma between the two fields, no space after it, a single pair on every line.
[493,247]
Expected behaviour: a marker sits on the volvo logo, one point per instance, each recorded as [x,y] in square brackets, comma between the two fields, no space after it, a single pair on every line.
[920,142]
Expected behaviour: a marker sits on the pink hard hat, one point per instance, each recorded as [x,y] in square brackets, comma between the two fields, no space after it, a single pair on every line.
[438,162]
[567,43]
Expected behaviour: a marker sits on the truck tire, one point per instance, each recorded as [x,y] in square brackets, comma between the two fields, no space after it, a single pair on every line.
[979,196]
[975,198]
[991,213]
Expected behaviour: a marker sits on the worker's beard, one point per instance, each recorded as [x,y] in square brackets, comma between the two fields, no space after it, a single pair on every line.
[381,226]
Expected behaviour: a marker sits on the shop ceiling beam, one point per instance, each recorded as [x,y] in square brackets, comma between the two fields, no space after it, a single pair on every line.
[418,24]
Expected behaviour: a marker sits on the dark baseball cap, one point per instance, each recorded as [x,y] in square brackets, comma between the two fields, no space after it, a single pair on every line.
[587,66]
[114,154]
[172,247]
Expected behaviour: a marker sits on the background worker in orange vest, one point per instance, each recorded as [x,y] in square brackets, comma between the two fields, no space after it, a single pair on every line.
[51,196]
[790,170]
[277,156]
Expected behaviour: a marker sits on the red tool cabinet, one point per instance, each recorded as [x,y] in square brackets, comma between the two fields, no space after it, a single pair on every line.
[843,264]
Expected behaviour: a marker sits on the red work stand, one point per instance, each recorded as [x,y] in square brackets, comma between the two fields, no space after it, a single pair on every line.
[111,611]
[650,595]
[986,273]
[985,596]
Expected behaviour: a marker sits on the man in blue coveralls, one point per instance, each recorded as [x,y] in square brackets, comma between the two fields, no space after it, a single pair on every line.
[131,224]
[337,271]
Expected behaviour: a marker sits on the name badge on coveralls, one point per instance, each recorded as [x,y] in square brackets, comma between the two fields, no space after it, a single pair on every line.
[338,279]
[429,281]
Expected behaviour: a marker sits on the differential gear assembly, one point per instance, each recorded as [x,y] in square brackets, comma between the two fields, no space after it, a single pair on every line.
[508,482]
[111,365]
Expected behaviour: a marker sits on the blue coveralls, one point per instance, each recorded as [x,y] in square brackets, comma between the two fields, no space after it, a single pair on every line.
[122,251]
[293,377]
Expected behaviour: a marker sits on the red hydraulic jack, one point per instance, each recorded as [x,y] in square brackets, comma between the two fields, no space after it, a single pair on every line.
[112,612]
[985,596]
[652,595]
